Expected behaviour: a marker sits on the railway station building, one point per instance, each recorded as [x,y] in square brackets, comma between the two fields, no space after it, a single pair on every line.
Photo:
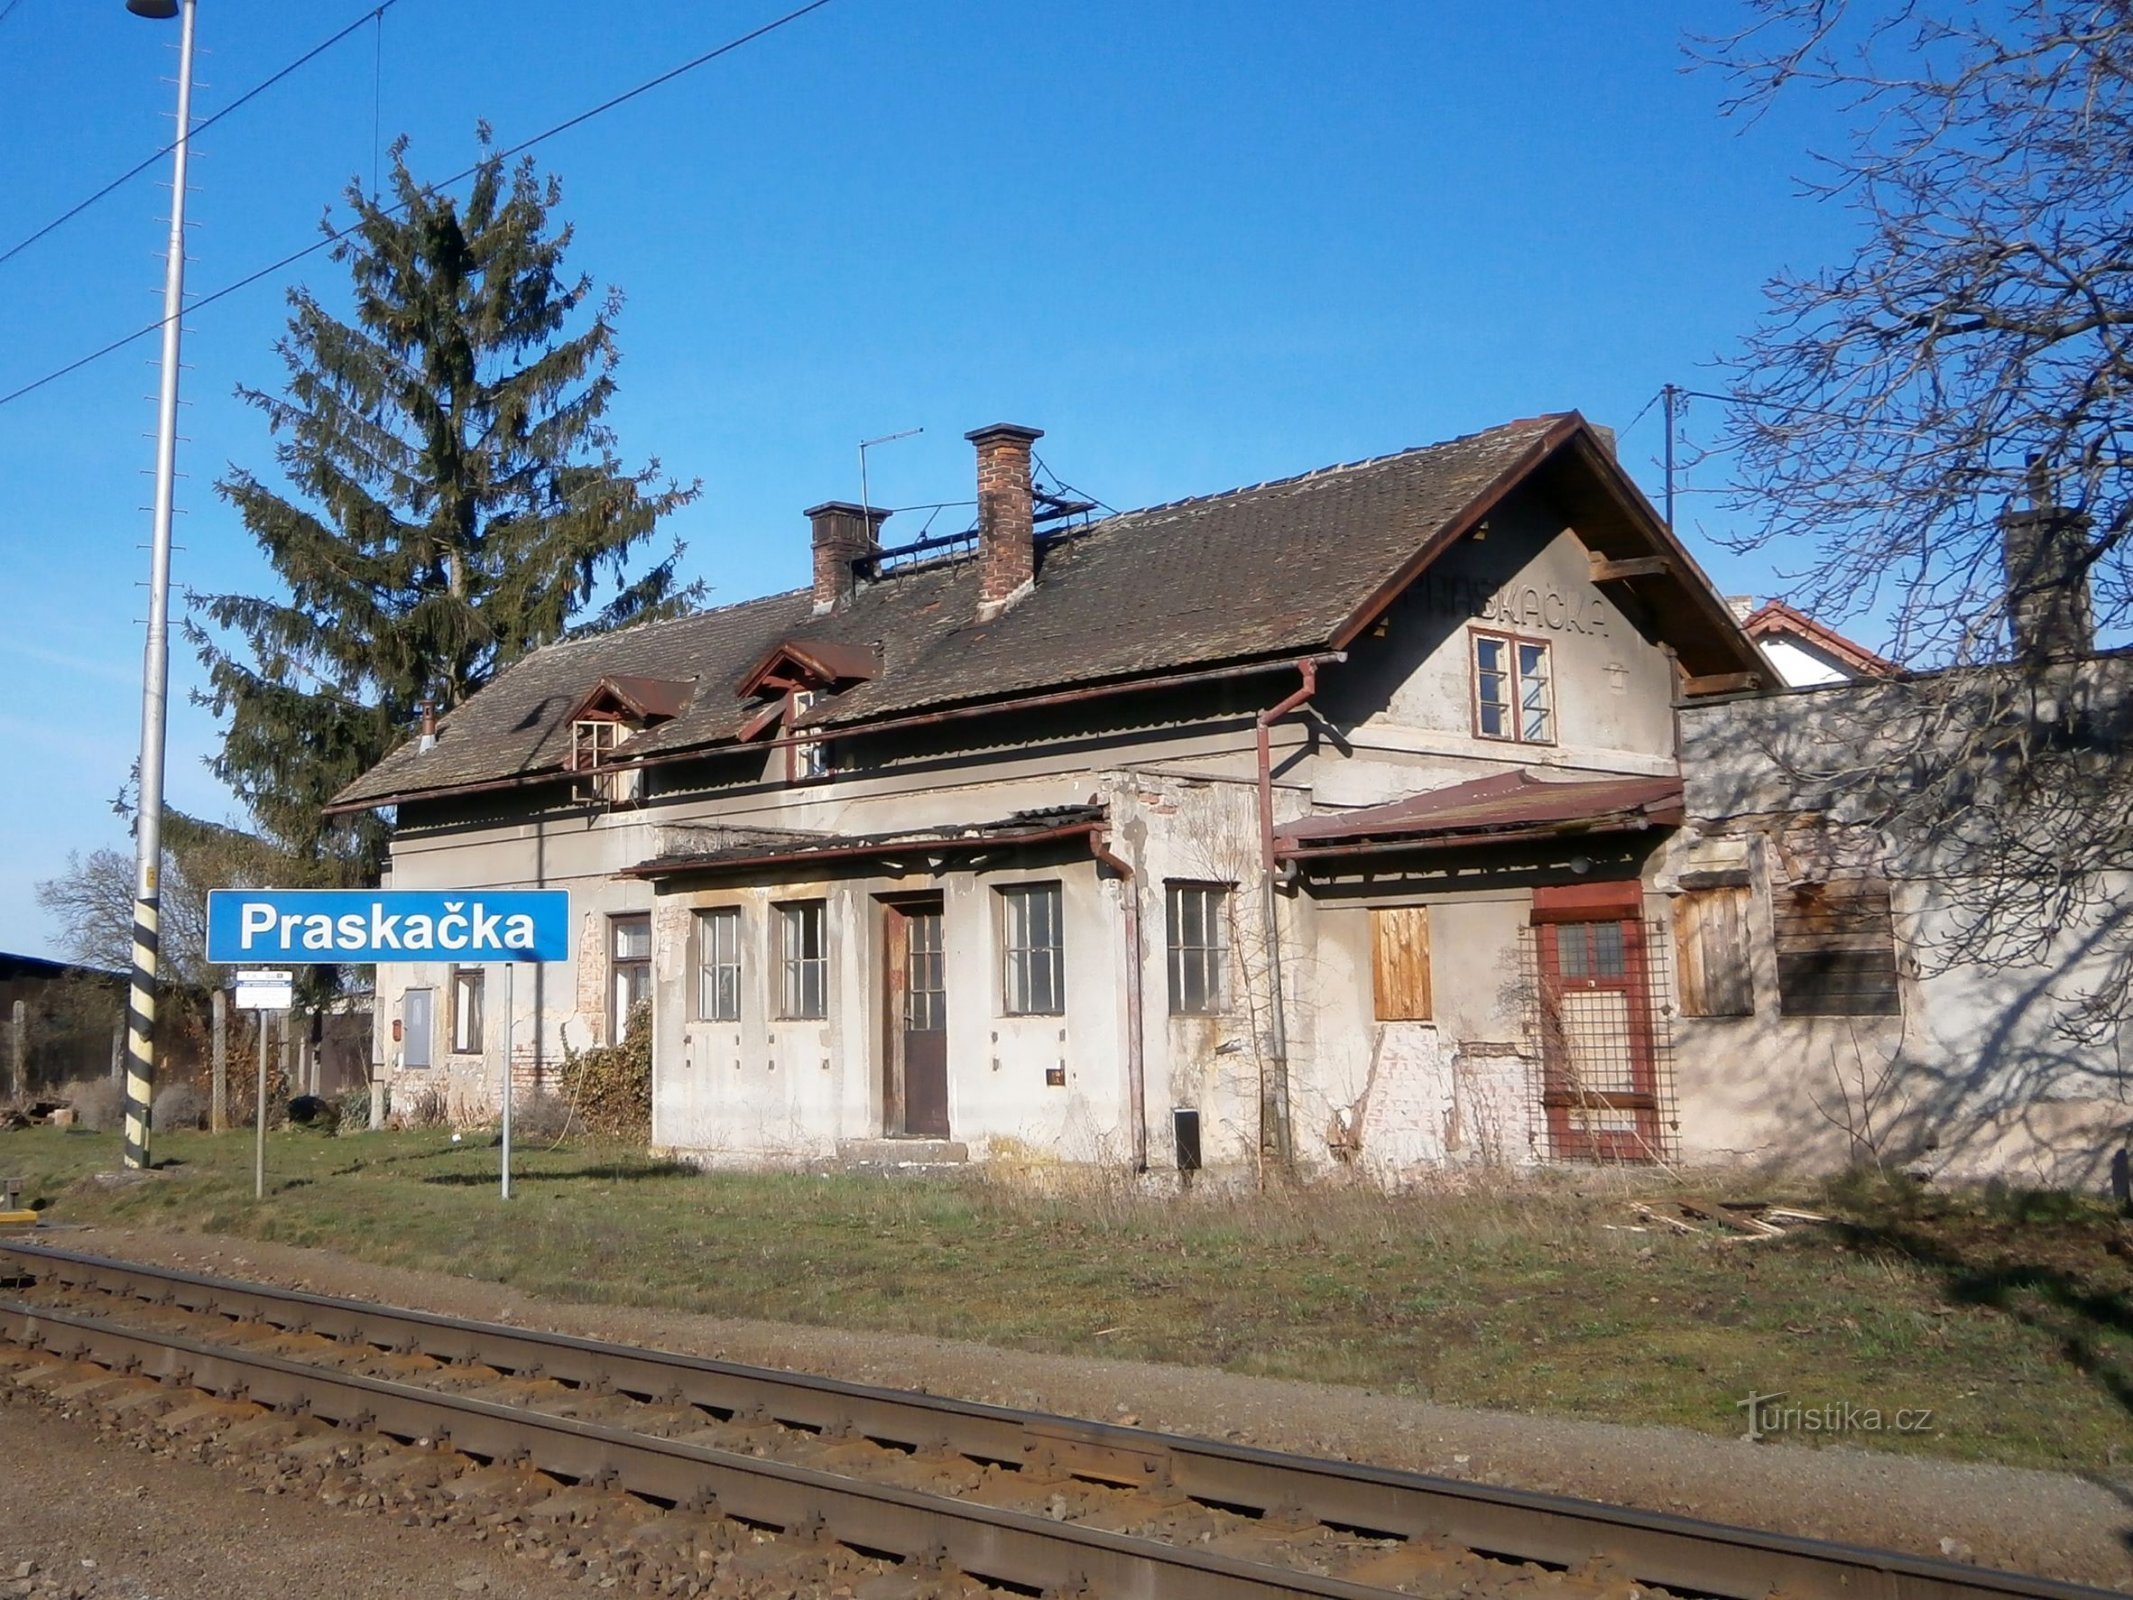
[1415,812]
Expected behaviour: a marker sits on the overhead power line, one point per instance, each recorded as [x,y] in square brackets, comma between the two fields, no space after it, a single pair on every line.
[461,176]
[126,177]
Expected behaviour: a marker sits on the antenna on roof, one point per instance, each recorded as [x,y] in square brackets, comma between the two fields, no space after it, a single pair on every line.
[864,446]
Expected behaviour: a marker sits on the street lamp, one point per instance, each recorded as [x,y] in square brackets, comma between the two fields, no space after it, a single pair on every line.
[155,666]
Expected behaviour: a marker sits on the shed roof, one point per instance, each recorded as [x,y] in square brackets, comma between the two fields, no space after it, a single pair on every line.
[1503,805]
[1272,571]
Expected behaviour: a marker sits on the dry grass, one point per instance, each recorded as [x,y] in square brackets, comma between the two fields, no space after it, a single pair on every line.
[2009,1317]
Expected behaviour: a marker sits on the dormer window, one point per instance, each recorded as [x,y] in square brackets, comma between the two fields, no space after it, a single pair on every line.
[791,680]
[593,743]
[808,760]
[605,721]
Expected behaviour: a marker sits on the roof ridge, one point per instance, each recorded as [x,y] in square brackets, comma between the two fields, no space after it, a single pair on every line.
[1546,419]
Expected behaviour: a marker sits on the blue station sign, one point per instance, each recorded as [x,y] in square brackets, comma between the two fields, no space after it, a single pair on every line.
[321,927]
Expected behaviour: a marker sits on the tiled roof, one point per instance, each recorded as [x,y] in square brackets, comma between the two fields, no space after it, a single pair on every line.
[1255,573]
[1776,619]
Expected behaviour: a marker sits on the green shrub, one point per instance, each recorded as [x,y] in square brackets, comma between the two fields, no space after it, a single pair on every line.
[610,1088]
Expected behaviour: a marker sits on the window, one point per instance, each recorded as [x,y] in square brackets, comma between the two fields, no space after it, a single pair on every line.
[1836,950]
[593,743]
[1399,964]
[1514,689]
[718,965]
[415,1024]
[809,760]
[1711,952]
[803,958]
[1199,948]
[1035,969]
[466,1010]
[629,968]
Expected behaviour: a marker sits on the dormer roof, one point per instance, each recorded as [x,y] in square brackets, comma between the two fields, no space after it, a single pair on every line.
[643,701]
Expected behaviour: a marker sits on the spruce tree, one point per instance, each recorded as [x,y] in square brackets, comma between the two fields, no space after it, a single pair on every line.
[455,498]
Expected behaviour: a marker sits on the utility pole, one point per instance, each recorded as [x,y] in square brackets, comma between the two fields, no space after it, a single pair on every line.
[155,666]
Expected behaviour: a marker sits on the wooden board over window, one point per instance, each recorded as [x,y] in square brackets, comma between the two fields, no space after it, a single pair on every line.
[1711,951]
[1399,963]
[1836,949]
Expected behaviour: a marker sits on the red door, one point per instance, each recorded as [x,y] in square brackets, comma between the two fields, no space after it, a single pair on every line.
[1598,1056]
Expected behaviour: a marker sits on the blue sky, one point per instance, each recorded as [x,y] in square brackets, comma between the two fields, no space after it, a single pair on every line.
[1200,244]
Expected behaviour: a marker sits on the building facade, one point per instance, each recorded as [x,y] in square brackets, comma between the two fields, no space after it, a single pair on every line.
[1338,822]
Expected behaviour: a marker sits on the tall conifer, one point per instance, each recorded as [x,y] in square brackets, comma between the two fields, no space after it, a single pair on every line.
[455,499]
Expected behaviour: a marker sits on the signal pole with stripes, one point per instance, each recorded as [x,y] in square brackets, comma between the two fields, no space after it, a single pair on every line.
[155,666]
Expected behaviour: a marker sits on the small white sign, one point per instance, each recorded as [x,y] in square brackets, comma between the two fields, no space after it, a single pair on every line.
[267,990]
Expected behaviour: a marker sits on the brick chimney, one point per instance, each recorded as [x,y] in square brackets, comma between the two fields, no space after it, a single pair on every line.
[2044,550]
[844,534]
[1007,538]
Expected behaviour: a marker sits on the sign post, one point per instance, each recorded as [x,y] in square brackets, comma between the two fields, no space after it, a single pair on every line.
[260,991]
[345,927]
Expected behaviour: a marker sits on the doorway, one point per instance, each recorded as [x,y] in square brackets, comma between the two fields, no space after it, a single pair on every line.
[1599,1049]
[915,978]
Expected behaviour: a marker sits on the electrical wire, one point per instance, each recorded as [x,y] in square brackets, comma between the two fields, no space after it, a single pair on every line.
[461,176]
[198,128]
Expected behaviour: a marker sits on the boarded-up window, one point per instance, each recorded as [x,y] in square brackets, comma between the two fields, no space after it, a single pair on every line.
[1399,963]
[1836,949]
[1711,952]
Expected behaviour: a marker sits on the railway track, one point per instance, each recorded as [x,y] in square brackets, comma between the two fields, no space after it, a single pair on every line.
[1018,1500]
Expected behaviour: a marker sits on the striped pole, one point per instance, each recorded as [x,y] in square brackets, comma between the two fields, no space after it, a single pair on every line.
[141,1027]
[155,664]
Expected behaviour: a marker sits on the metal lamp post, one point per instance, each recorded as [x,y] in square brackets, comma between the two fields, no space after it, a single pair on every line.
[155,669]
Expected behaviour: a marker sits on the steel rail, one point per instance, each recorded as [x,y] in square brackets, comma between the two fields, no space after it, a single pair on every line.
[1007,1547]
[1683,1554]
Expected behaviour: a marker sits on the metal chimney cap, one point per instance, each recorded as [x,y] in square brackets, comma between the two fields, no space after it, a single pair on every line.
[154,10]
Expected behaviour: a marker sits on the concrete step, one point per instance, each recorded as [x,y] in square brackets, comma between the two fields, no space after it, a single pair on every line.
[902,1153]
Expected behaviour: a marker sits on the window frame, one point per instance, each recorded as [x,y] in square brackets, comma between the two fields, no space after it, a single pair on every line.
[619,1016]
[808,760]
[461,1040]
[710,995]
[792,969]
[1212,955]
[1012,896]
[1515,677]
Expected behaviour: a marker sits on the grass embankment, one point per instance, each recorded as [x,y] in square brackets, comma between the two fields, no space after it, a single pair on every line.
[2010,1319]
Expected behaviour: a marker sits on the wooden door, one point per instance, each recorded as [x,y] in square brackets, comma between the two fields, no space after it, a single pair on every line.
[918,1021]
[1599,1057]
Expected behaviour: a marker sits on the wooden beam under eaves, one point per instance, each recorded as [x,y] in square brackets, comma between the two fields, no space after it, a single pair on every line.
[1722,683]
[1606,571]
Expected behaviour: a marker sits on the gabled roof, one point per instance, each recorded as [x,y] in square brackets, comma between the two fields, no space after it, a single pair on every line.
[1505,805]
[642,700]
[1774,619]
[1266,573]
[816,662]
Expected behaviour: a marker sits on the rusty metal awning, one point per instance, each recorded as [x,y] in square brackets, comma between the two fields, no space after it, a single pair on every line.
[1506,806]
[936,847]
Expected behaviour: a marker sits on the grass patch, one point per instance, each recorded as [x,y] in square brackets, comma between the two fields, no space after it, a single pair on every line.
[2008,1316]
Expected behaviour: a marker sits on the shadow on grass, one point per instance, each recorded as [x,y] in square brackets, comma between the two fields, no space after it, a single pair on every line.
[2055,1263]
[605,1174]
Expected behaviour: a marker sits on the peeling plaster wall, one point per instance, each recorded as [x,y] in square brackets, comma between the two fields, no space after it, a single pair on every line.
[1981,1074]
